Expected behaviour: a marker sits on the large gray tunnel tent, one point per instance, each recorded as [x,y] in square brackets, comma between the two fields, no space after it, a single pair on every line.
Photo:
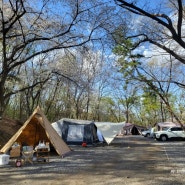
[76,131]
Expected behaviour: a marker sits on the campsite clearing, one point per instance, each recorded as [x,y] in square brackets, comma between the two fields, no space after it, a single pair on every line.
[129,160]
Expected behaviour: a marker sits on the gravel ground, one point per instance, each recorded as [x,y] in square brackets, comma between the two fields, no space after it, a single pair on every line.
[129,160]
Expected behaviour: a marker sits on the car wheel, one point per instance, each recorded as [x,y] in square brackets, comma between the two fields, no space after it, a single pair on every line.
[147,135]
[163,138]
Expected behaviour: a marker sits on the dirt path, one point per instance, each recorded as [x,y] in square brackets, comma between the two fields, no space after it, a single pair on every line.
[131,160]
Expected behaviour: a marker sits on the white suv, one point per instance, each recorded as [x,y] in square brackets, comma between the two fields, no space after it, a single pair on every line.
[170,133]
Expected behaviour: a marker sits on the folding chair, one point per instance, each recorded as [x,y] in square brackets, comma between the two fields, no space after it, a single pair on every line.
[27,154]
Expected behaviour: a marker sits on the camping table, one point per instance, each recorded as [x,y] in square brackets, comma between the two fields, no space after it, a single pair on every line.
[42,154]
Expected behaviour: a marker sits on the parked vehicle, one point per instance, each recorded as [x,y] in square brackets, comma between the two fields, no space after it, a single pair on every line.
[146,133]
[170,133]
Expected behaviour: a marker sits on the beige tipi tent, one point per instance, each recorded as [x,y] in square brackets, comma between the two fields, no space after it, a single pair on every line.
[37,128]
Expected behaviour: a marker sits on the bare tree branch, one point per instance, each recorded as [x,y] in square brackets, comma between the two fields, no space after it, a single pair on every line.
[162,20]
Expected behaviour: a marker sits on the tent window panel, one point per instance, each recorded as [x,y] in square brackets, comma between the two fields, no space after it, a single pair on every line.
[75,133]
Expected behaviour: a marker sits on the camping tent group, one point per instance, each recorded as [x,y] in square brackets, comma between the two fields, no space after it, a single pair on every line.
[61,133]
[74,131]
[37,128]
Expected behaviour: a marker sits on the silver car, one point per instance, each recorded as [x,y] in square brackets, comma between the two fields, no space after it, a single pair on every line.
[146,133]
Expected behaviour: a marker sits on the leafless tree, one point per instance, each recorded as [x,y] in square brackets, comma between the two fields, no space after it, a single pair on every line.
[29,29]
[79,71]
[159,23]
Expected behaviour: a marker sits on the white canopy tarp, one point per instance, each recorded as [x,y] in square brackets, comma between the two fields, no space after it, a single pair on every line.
[109,130]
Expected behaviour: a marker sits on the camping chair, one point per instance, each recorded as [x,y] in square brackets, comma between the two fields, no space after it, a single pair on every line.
[27,154]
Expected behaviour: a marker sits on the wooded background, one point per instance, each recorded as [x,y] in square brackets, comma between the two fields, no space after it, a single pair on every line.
[98,60]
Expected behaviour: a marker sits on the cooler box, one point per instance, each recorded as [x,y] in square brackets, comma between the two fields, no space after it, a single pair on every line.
[4,159]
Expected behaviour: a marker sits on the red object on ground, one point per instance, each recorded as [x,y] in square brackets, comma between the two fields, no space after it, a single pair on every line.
[84,144]
[18,163]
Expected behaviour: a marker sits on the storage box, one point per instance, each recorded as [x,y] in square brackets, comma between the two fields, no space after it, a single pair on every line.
[15,151]
[4,159]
